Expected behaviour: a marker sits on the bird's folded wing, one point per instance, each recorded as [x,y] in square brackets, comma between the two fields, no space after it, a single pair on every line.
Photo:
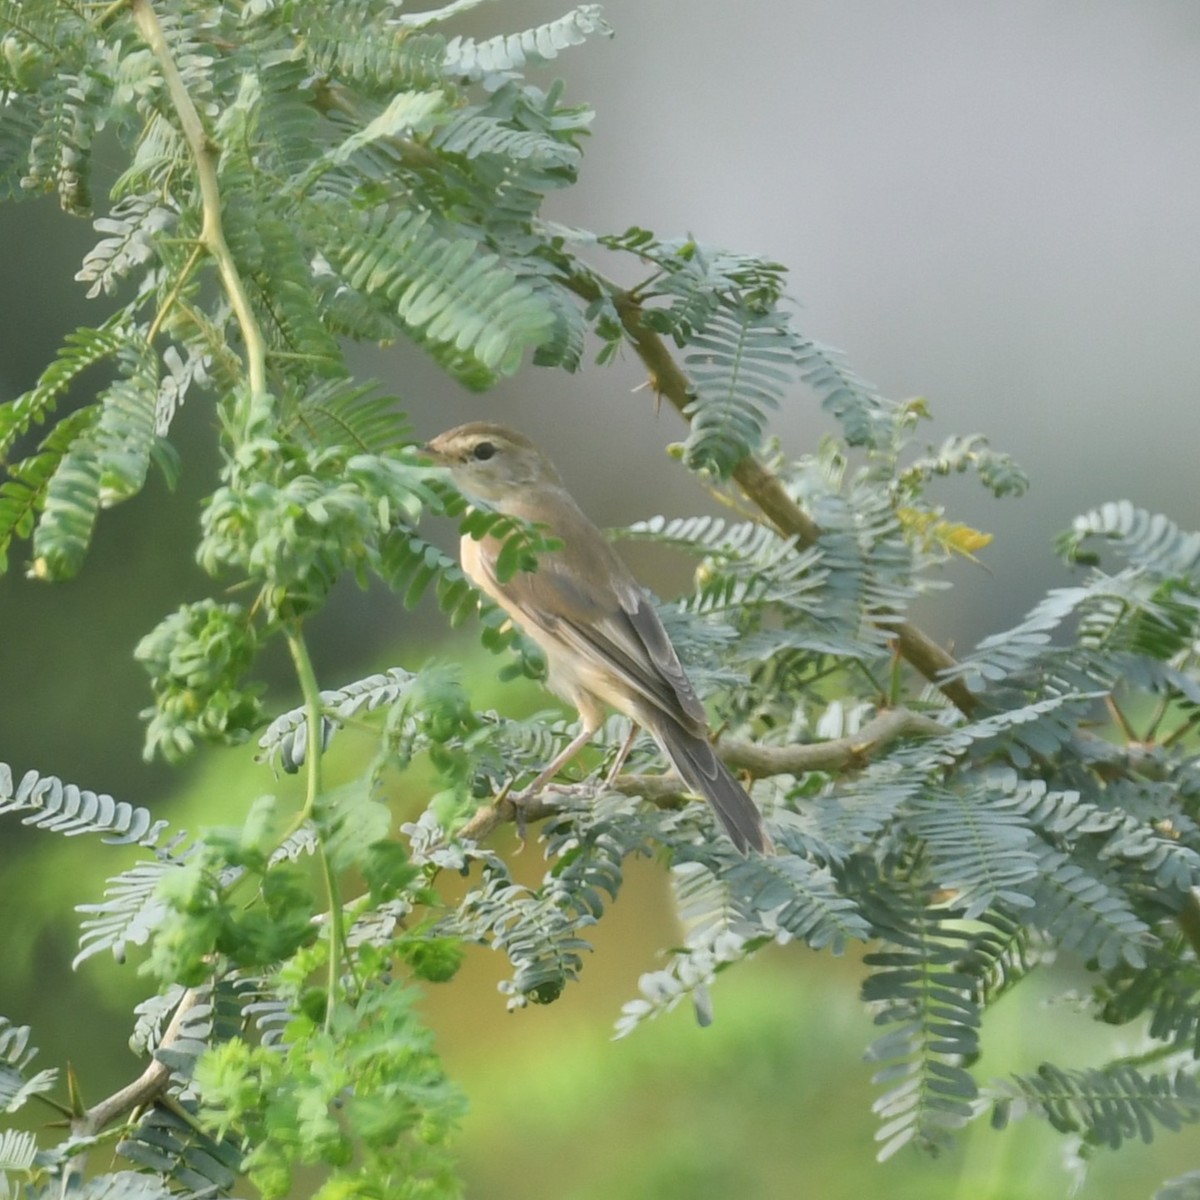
[618,627]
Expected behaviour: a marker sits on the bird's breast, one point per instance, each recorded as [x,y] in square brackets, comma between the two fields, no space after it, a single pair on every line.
[580,679]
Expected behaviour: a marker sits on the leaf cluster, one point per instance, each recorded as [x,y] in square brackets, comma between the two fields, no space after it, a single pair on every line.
[363,1091]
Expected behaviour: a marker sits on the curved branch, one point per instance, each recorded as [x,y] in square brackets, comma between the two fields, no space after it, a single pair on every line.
[144,1090]
[844,753]
[313,720]
[147,1085]
[757,761]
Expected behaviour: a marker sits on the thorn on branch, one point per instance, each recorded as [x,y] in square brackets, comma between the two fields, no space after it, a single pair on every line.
[145,1089]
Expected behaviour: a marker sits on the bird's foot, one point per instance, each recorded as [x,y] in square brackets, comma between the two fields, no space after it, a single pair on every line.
[520,803]
[527,802]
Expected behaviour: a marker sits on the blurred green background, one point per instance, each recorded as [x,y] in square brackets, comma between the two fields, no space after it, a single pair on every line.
[989,205]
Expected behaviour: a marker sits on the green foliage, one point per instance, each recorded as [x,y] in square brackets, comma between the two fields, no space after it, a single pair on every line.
[285,739]
[1107,1106]
[919,988]
[508,52]
[200,919]
[169,1143]
[17,1150]
[370,1069]
[17,1085]
[471,312]
[297,175]
[540,930]
[197,658]
[48,803]
[1186,1187]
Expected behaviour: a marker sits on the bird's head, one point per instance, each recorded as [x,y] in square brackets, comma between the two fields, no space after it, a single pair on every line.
[492,463]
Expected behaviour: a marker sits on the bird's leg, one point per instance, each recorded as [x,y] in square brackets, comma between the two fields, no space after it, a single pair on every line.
[622,754]
[576,744]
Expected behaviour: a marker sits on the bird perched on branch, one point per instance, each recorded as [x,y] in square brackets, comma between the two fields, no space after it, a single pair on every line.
[604,643]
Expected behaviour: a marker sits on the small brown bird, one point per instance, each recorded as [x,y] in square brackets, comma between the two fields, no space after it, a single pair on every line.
[604,643]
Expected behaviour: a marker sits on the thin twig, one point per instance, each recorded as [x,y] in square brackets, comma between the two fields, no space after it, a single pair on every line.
[1120,719]
[177,287]
[313,718]
[212,233]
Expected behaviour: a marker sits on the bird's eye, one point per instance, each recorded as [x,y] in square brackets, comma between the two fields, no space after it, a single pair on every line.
[483,451]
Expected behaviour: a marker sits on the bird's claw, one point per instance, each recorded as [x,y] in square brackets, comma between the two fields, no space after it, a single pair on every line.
[518,800]
[522,801]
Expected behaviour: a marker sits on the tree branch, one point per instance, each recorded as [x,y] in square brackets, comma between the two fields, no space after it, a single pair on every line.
[146,1088]
[762,486]
[148,1084]
[758,761]
[764,490]
[761,761]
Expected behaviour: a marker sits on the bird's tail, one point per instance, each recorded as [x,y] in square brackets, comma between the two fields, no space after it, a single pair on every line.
[696,761]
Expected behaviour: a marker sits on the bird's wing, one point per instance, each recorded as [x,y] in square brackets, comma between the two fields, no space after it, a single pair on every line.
[644,621]
[607,618]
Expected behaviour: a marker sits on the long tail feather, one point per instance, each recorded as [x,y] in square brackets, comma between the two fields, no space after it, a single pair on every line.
[697,762]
